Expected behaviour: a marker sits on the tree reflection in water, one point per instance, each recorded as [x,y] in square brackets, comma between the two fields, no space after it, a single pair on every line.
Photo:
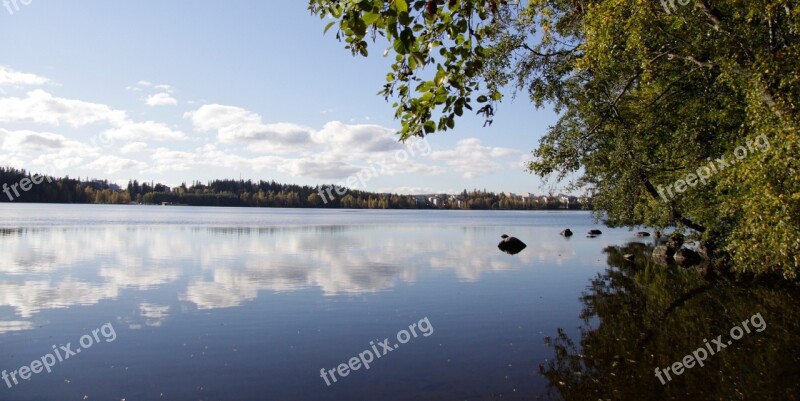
[651,316]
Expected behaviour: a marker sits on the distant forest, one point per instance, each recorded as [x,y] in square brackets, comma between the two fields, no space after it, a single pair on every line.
[241,193]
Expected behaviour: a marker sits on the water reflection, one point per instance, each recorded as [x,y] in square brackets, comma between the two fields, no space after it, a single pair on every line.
[9,326]
[220,267]
[652,317]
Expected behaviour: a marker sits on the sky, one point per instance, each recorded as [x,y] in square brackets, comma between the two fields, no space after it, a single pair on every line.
[177,91]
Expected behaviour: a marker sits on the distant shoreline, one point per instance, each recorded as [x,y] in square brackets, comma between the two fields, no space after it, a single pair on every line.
[295,207]
[19,186]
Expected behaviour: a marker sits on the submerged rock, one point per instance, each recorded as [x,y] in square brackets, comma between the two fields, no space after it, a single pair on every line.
[662,254]
[511,245]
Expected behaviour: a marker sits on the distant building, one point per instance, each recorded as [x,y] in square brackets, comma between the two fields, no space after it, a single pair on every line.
[455,199]
[420,200]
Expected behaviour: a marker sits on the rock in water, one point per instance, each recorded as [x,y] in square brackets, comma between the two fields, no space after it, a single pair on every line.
[687,257]
[642,234]
[511,245]
[567,233]
[662,255]
[595,232]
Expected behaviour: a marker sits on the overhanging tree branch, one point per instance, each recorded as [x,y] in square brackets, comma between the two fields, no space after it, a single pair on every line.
[682,219]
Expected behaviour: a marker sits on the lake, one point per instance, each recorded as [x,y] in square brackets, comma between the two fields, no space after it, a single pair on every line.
[180,303]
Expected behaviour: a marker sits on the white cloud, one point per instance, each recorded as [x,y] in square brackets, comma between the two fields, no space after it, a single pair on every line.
[318,168]
[11,160]
[357,138]
[43,108]
[214,157]
[56,164]
[172,160]
[473,159]
[216,116]
[146,130]
[21,141]
[54,152]
[237,125]
[9,77]
[143,84]
[112,164]
[266,162]
[134,147]
[138,86]
[161,99]
[346,149]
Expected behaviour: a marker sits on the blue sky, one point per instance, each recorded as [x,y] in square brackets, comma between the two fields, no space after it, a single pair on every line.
[176,91]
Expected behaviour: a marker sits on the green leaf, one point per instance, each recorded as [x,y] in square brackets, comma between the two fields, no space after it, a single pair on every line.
[441,75]
[370,18]
[400,46]
[404,18]
[359,27]
[328,26]
[425,86]
[430,126]
[365,5]
[401,6]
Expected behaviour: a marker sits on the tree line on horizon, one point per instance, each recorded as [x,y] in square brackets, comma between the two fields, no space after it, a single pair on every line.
[248,193]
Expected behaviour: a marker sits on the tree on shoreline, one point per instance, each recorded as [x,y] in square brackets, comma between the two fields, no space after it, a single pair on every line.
[648,96]
[241,193]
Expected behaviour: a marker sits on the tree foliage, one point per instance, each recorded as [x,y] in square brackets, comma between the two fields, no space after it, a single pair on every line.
[647,93]
[241,193]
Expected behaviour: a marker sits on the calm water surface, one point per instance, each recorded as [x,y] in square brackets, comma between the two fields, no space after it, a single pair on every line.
[250,304]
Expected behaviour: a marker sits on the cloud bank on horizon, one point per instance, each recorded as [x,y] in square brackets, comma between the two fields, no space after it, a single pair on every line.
[43,131]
